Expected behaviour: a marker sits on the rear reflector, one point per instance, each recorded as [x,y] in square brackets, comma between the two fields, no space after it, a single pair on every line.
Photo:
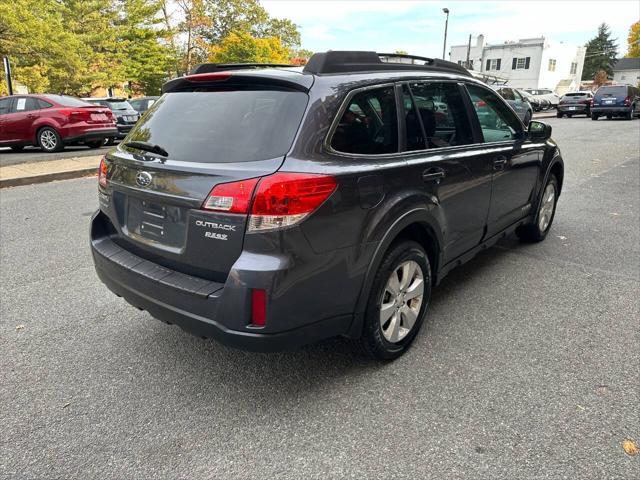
[258,308]
[102,173]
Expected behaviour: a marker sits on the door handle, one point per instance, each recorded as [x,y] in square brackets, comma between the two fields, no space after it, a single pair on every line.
[433,174]
[499,163]
[30,115]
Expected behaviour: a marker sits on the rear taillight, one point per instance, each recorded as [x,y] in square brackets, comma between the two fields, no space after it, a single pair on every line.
[627,101]
[284,199]
[75,115]
[232,197]
[102,173]
[279,200]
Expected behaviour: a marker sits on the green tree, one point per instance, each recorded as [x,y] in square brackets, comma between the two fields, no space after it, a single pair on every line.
[242,47]
[601,53]
[633,40]
[146,55]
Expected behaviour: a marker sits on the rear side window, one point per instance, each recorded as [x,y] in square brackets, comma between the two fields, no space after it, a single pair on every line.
[223,126]
[442,114]
[5,105]
[43,104]
[497,120]
[369,125]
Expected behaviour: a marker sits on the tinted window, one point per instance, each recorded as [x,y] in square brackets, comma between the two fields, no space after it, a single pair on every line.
[442,114]
[369,125]
[497,120]
[43,104]
[67,101]
[576,95]
[223,126]
[5,105]
[616,91]
[118,105]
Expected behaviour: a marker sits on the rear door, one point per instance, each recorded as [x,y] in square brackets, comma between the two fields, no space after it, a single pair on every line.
[5,110]
[515,161]
[444,164]
[211,137]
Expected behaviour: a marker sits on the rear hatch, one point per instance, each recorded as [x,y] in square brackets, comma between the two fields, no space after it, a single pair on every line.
[611,96]
[575,99]
[206,137]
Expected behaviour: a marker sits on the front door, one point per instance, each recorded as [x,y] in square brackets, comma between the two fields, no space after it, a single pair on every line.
[515,161]
[19,123]
[442,162]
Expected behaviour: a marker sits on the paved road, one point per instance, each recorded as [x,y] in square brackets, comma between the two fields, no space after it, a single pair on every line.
[528,367]
[33,154]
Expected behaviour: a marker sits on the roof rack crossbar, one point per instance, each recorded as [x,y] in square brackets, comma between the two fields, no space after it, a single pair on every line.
[217,67]
[332,62]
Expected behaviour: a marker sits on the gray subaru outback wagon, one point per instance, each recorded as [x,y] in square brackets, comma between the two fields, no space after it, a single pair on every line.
[269,207]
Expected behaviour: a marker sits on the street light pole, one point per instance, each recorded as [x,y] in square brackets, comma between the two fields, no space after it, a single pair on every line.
[7,74]
[446,25]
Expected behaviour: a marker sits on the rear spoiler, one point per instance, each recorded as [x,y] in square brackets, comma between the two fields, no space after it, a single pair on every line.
[244,78]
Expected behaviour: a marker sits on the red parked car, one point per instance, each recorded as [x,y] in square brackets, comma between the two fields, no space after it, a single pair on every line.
[53,121]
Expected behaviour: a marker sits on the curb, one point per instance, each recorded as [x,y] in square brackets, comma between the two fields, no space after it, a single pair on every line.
[47,177]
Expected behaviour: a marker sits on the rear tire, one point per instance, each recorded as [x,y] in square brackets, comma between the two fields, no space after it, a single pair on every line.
[594,116]
[109,141]
[398,301]
[538,229]
[17,148]
[630,114]
[49,140]
[609,117]
[559,114]
[95,144]
[569,115]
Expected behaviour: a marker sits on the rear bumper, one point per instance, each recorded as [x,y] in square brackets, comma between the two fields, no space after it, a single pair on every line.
[90,135]
[606,110]
[197,305]
[576,108]
[124,129]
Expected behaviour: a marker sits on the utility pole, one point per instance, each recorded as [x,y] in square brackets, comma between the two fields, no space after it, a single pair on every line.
[468,52]
[7,74]
[446,25]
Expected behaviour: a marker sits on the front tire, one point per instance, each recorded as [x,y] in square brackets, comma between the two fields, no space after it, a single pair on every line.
[537,231]
[398,302]
[49,140]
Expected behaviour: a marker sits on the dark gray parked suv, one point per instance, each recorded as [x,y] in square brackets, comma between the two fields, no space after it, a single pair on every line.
[270,207]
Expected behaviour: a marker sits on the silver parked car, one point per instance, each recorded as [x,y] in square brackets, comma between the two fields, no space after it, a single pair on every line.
[519,103]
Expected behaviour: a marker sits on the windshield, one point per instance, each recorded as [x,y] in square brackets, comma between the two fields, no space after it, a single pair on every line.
[67,101]
[223,126]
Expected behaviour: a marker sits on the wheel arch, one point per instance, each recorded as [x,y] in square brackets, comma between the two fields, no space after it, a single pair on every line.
[417,225]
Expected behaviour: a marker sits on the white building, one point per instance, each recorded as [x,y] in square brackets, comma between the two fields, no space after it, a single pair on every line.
[527,63]
[627,71]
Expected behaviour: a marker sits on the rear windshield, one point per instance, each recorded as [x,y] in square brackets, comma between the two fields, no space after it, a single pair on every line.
[575,94]
[620,91]
[223,126]
[66,101]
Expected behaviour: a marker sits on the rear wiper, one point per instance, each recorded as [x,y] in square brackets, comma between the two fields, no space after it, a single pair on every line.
[147,147]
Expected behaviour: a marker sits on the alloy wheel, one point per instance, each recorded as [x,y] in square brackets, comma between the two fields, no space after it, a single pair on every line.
[401,301]
[48,139]
[546,207]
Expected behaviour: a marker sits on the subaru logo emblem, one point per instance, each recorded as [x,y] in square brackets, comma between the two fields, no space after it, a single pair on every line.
[143,179]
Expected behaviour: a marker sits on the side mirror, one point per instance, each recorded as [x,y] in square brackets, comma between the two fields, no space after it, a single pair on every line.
[539,130]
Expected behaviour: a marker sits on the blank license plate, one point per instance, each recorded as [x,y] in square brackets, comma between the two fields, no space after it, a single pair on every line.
[99,117]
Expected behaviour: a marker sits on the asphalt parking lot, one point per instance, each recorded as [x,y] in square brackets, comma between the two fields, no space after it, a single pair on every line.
[528,367]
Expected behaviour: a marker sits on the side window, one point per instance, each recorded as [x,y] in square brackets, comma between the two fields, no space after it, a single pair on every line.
[443,114]
[497,121]
[32,104]
[369,125]
[21,104]
[43,104]
[5,105]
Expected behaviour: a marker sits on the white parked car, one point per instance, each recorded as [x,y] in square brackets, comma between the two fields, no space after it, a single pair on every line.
[544,93]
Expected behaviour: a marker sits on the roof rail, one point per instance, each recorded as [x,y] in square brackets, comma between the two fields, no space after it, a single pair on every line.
[218,67]
[361,61]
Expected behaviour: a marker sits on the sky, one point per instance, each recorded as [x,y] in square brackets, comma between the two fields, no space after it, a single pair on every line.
[418,26]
